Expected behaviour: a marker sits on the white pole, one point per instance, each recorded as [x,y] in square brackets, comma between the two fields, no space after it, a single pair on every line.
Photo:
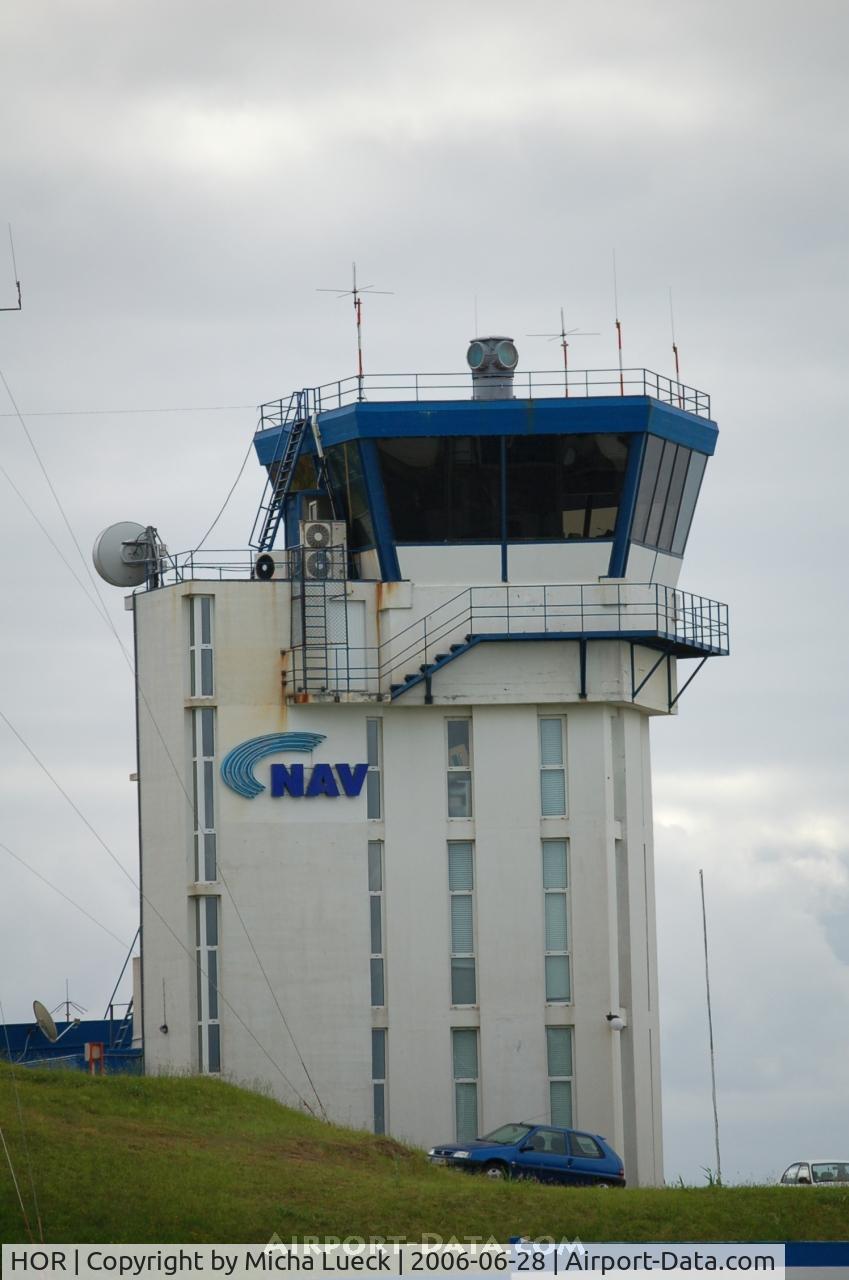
[710,1034]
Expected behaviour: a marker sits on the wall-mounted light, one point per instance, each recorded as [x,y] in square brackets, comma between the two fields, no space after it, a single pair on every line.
[615,1021]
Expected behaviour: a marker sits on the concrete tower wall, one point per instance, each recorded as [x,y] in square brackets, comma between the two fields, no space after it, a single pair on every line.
[296,871]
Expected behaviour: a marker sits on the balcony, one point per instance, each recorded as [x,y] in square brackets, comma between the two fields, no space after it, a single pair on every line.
[323,662]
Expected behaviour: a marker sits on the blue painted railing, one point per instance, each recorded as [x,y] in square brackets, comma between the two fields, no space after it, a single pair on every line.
[531,384]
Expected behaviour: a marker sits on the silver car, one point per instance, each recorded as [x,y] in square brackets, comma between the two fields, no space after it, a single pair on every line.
[818,1173]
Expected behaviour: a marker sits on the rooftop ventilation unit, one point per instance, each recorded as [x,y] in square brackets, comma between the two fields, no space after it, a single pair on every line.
[492,362]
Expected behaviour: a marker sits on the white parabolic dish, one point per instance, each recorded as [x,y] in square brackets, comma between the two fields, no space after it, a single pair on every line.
[115,561]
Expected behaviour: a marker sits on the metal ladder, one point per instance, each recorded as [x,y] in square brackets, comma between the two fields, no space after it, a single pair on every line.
[280,471]
[124,1032]
[314,626]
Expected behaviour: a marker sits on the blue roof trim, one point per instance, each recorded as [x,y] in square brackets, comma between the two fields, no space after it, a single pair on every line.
[627,414]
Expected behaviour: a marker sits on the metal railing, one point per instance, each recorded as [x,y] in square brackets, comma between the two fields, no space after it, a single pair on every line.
[239,565]
[527,385]
[688,624]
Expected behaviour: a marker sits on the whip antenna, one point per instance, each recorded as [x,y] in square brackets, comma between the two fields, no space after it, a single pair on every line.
[564,334]
[15,270]
[675,352]
[618,326]
[356,293]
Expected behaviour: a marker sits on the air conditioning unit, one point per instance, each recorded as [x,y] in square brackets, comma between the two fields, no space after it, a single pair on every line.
[267,566]
[323,552]
[319,534]
[323,565]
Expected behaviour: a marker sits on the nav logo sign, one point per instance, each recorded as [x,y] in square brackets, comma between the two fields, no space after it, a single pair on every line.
[288,780]
[237,769]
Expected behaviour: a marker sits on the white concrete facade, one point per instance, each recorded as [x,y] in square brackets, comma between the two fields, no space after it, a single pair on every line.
[291,882]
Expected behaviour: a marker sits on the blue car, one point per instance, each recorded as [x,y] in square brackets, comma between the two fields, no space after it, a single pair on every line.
[536,1151]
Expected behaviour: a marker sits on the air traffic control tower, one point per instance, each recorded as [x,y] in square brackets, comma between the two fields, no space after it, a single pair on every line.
[395,786]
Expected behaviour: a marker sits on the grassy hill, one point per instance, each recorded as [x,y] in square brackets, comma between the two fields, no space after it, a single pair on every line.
[127,1159]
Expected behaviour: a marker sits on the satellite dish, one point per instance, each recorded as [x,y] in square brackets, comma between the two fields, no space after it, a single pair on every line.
[44,1018]
[123,553]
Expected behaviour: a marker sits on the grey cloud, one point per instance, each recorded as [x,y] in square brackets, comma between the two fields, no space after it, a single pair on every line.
[181,178]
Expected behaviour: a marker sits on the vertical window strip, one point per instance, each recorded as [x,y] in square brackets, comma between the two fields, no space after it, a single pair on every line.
[555,882]
[378,1078]
[208,981]
[201,661]
[464,1052]
[689,497]
[560,1074]
[203,792]
[461,884]
[552,772]
[374,756]
[459,734]
[376,923]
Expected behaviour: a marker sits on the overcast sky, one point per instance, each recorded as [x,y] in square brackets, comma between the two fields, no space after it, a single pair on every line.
[181,177]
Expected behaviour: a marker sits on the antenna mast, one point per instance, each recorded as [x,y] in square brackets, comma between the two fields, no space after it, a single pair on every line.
[564,334]
[675,352]
[15,269]
[618,326]
[674,344]
[356,292]
[710,1034]
[68,1004]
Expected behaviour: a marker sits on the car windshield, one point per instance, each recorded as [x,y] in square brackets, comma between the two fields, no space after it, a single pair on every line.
[508,1135]
[834,1171]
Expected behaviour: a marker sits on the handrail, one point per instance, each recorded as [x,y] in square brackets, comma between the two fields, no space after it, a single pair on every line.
[532,384]
[632,610]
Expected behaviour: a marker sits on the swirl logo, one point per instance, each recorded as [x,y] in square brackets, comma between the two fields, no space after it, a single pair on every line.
[237,767]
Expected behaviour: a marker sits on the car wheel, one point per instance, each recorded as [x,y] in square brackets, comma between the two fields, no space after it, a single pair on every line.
[495,1170]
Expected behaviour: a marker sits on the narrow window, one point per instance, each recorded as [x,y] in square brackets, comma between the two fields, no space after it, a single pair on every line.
[203,792]
[648,481]
[201,675]
[464,1048]
[374,756]
[378,1077]
[459,768]
[558,986]
[559,1047]
[207,954]
[552,776]
[661,490]
[461,884]
[375,888]
[673,500]
[695,472]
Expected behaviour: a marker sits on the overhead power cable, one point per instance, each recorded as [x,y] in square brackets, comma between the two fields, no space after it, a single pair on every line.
[223,507]
[24,1139]
[160,917]
[189,801]
[103,413]
[62,894]
[16,1184]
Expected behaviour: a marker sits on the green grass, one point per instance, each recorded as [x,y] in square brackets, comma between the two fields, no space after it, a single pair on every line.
[173,1160]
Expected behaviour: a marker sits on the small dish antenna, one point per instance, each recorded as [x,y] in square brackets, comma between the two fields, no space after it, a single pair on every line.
[44,1018]
[127,554]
